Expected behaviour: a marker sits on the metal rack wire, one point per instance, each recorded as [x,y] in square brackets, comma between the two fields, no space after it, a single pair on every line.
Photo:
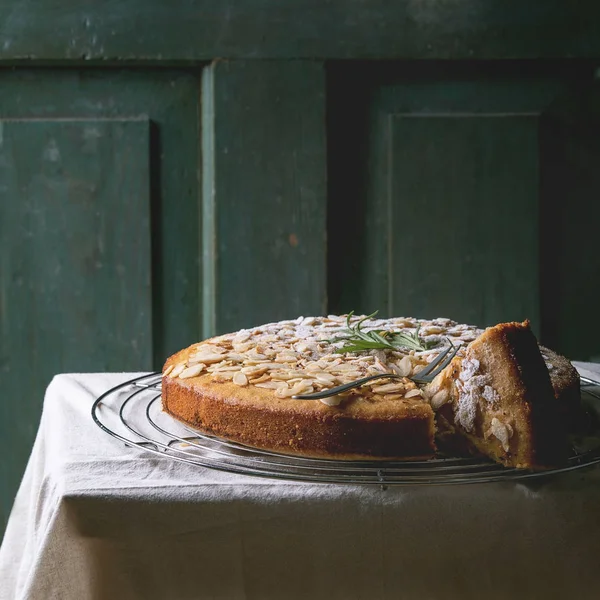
[131,412]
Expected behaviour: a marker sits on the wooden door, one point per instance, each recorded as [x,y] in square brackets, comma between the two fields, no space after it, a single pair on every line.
[144,209]
[97,214]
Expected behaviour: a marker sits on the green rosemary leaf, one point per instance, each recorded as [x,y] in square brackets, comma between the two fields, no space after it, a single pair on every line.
[356,340]
[379,338]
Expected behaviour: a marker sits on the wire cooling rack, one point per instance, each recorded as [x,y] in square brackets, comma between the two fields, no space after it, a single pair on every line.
[132,413]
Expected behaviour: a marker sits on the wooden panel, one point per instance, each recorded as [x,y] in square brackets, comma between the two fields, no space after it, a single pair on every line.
[570,213]
[202,30]
[462,223]
[467,191]
[264,193]
[170,99]
[87,204]
[75,248]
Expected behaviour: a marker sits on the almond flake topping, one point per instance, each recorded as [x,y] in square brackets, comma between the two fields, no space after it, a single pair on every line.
[388,388]
[299,357]
[178,369]
[192,371]
[439,399]
[502,431]
[240,379]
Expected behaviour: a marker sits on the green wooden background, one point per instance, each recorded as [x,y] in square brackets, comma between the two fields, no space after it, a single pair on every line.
[173,170]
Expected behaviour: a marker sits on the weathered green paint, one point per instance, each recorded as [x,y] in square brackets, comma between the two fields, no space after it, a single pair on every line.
[99,259]
[264,192]
[75,277]
[170,100]
[180,30]
[462,227]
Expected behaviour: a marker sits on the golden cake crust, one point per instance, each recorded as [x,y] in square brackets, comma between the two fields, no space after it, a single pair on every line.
[255,417]
[370,423]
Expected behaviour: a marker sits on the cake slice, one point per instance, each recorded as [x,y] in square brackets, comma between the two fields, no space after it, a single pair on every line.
[496,398]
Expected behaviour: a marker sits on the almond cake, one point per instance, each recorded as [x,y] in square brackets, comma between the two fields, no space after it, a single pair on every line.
[501,396]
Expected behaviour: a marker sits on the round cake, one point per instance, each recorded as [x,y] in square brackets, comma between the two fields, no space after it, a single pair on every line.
[239,386]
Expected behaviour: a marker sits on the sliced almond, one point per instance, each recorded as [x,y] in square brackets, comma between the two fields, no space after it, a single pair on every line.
[329,363]
[365,361]
[284,392]
[319,385]
[343,368]
[431,330]
[255,359]
[192,371]
[434,387]
[332,400]
[209,359]
[286,358]
[210,349]
[337,318]
[500,431]
[222,377]
[260,379]
[309,321]
[272,385]
[413,393]
[240,379]
[388,388]
[167,370]
[177,370]
[242,347]
[404,367]
[302,387]
[254,371]
[242,336]
[352,375]
[225,369]
[439,399]
[269,338]
[194,359]
[313,366]
[378,367]
[324,377]
[307,383]
[282,375]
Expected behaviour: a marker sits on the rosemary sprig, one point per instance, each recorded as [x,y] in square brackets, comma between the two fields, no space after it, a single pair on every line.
[356,340]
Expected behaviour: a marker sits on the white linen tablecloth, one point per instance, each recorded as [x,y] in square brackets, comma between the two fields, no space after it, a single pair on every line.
[96,519]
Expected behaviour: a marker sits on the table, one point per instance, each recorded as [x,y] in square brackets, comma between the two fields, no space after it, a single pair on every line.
[96,519]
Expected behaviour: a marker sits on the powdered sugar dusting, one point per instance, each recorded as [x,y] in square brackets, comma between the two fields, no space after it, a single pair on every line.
[472,386]
[469,367]
[490,394]
[467,406]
